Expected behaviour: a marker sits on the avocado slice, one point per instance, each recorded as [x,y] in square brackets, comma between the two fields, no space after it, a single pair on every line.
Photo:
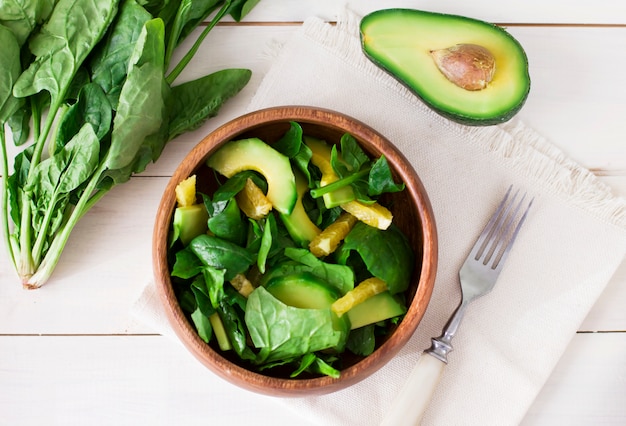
[298,223]
[302,290]
[306,291]
[413,46]
[189,222]
[377,308]
[254,154]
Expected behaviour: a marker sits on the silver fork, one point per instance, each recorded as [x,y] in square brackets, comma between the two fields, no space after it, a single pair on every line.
[478,275]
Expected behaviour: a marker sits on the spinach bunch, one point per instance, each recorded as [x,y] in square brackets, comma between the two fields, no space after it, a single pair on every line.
[92,82]
[263,332]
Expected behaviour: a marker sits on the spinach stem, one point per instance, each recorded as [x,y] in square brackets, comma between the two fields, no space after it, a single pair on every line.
[52,256]
[318,192]
[4,216]
[27,265]
[192,51]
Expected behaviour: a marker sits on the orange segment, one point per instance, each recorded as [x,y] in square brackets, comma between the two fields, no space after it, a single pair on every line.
[252,201]
[375,215]
[242,285]
[366,289]
[186,192]
[327,241]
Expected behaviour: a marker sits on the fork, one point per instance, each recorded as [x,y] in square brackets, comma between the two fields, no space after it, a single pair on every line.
[478,275]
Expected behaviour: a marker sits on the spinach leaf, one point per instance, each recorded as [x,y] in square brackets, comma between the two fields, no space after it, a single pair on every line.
[214,279]
[65,40]
[284,332]
[339,276]
[240,8]
[289,144]
[51,181]
[141,105]
[92,107]
[380,179]
[202,324]
[351,153]
[227,222]
[266,243]
[194,102]
[232,317]
[187,264]
[23,16]
[190,13]
[221,254]
[201,296]
[386,254]
[19,123]
[109,63]
[10,70]
[362,341]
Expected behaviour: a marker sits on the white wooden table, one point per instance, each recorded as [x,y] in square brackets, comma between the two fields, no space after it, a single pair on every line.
[71,353]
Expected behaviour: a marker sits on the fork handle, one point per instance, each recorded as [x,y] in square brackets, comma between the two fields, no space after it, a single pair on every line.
[412,401]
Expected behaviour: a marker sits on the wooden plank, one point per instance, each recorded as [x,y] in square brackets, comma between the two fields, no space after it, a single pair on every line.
[106,263]
[536,11]
[58,380]
[114,380]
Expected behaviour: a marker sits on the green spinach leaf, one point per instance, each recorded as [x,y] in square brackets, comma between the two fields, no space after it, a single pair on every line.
[109,63]
[92,107]
[194,102]
[23,16]
[221,254]
[386,254]
[284,332]
[141,106]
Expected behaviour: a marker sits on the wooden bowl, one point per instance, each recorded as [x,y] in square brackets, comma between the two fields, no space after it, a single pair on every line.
[412,213]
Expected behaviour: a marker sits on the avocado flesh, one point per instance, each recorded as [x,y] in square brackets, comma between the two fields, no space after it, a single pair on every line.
[377,308]
[298,223]
[254,154]
[306,291]
[400,41]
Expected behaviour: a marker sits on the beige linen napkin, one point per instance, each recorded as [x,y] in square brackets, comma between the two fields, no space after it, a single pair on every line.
[571,244]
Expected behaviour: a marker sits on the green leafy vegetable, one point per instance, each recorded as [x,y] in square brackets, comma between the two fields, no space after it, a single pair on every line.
[96,68]
[394,268]
[284,332]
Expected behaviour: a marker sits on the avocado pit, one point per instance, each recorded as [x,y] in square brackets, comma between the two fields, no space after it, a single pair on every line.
[469,66]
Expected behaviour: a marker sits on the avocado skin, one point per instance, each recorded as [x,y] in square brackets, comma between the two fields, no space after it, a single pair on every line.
[458,117]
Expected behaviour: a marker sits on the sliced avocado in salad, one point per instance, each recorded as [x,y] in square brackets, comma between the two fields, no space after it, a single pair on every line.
[467,70]
[298,223]
[189,222]
[377,308]
[303,290]
[254,154]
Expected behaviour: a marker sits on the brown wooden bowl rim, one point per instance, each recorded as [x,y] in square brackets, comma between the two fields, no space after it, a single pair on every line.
[255,381]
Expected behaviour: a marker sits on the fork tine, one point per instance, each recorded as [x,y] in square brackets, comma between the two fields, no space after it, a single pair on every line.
[485,236]
[497,239]
[499,260]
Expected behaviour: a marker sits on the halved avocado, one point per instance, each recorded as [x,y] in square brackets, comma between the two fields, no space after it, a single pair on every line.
[254,154]
[402,42]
